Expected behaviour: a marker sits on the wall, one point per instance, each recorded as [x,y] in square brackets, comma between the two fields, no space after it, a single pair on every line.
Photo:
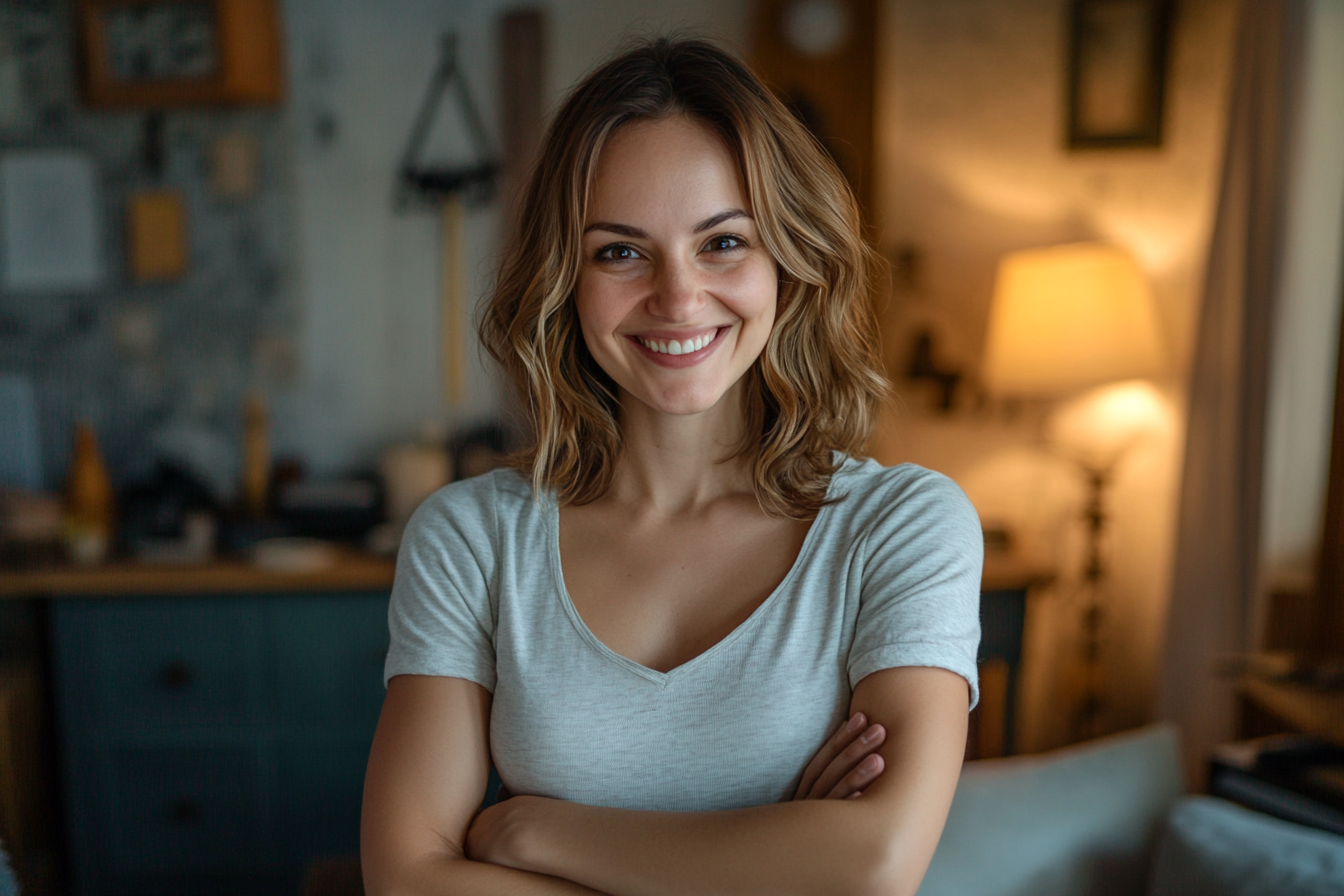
[369,277]
[1306,338]
[157,368]
[972,164]
[314,292]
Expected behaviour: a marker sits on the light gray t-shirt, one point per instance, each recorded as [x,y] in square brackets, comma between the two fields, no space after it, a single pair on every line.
[888,576]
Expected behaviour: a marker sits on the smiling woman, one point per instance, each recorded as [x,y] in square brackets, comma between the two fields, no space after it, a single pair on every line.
[707,648]
[690,289]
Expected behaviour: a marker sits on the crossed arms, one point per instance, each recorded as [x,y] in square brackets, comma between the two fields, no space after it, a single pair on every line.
[421,834]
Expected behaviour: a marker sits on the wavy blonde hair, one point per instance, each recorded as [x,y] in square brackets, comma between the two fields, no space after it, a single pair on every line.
[815,388]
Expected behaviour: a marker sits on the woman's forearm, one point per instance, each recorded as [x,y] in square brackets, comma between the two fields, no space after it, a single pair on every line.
[880,843]
[809,847]
[453,876]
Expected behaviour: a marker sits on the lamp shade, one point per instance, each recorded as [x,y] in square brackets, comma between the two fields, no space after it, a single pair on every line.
[1069,317]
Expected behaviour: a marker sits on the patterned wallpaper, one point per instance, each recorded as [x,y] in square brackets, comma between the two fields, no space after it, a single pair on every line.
[159,369]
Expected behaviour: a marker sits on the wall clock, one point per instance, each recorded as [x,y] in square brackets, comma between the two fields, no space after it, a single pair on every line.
[819,57]
[159,53]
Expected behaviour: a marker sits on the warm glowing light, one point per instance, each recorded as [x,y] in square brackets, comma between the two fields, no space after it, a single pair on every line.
[1099,426]
[1069,317]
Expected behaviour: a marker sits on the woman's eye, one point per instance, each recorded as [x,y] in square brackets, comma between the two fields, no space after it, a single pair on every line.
[724,243]
[618,252]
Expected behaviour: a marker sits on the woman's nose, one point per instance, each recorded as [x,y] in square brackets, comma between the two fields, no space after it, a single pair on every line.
[677,293]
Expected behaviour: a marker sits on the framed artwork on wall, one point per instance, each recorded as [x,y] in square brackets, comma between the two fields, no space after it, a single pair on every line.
[160,53]
[1117,62]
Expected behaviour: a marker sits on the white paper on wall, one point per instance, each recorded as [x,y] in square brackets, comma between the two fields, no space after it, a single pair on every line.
[50,222]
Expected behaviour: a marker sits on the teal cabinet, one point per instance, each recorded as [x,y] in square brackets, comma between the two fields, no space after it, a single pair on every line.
[214,745]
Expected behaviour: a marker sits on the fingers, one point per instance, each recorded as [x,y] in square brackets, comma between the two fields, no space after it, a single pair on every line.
[851,761]
[842,738]
[851,785]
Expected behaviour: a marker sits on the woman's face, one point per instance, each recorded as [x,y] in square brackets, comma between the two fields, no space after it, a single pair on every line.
[676,294]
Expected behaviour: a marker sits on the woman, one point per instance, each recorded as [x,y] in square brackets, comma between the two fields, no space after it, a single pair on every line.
[653,624]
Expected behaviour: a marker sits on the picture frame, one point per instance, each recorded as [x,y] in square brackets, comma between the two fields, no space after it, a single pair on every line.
[1117,65]
[162,53]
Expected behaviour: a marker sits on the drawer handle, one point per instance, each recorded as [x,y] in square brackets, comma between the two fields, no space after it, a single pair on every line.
[175,676]
[185,811]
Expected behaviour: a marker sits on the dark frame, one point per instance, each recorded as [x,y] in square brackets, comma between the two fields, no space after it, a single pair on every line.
[248,65]
[1117,68]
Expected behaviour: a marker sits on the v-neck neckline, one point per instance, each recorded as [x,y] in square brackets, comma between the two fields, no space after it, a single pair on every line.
[552,513]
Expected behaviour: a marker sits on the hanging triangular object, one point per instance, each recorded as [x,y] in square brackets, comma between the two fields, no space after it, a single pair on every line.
[475,182]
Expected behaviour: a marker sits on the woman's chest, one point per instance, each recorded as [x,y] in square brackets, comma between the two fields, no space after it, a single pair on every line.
[731,729]
[734,726]
[662,593]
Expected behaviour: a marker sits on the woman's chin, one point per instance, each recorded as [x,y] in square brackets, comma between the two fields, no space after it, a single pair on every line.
[682,403]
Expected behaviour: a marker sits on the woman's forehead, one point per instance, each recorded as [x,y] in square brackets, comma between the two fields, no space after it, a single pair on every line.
[667,164]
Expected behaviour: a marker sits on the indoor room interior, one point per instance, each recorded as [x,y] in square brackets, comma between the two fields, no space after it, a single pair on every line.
[242,244]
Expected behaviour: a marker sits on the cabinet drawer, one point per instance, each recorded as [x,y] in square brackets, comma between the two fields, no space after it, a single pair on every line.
[319,788]
[163,817]
[156,663]
[325,660]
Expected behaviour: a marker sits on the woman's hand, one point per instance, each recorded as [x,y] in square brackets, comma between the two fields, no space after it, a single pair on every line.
[845,764]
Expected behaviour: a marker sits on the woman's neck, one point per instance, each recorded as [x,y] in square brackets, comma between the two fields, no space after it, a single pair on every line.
[672,463]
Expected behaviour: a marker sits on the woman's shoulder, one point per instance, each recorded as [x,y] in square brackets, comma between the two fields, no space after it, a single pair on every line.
[475,503]
[872,494]
[866,477]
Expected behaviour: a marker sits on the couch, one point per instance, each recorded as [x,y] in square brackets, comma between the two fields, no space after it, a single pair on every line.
[1108,818]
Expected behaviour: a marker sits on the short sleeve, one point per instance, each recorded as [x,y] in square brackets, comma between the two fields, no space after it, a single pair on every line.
[442,616]
[920,597]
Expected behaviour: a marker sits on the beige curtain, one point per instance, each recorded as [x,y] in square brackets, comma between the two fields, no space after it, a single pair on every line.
[1218,532]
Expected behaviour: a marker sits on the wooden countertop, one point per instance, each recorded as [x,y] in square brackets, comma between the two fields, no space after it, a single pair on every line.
[1309,710]
[354,571]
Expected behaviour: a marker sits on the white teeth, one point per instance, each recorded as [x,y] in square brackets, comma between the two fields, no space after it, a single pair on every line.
[673,347]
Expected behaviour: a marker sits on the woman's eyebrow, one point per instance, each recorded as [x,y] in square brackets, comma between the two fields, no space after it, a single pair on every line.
[636,234]
[623,229]
[716,220]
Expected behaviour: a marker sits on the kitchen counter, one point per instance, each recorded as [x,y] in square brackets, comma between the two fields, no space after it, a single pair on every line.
[353,571]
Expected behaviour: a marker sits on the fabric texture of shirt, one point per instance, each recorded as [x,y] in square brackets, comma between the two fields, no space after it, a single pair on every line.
[888,575]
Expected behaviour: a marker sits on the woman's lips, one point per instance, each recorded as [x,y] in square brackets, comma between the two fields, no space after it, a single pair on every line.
[686,359]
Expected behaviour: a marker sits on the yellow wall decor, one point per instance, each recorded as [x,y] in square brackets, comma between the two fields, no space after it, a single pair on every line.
[156,235]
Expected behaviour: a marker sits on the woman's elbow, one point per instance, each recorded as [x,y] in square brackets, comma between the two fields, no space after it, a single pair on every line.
[891,868]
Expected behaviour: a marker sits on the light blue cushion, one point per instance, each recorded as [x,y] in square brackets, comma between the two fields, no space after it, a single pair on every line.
[1215,848]
[1076,822]
[8,885]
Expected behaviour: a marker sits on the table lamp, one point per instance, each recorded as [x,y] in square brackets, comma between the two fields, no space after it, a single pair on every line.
[1064,319]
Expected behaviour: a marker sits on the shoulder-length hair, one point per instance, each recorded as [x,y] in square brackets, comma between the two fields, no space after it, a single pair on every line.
[815,388]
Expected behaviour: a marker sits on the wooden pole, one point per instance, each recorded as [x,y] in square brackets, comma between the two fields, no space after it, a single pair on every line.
[452,312]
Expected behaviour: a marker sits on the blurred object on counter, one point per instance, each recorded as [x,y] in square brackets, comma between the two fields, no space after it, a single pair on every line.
[295,555]
[173,518]
[156,235]
[479,450]
[20,450]
[411,473]
[256,457]
[89,508]
[240,535]
[30,529]
[330,508]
